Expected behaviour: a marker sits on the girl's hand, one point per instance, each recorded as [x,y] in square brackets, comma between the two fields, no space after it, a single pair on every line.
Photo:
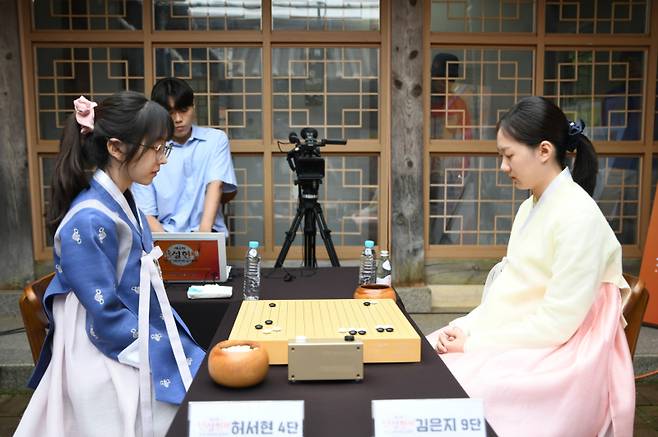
[451,339]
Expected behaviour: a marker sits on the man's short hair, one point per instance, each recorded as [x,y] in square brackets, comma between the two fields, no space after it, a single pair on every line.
[173,88]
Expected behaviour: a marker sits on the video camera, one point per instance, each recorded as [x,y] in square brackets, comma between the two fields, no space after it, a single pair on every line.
[304,159]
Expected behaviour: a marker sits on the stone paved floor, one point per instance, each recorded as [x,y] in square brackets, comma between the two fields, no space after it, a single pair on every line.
[646,407]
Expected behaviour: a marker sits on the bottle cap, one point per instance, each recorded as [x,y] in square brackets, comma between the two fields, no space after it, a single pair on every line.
[253,245]
[370,244]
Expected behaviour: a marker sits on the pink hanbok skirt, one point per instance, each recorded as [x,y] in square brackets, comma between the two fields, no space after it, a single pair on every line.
[584,387]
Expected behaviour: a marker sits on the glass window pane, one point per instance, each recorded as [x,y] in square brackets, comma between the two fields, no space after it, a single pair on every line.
[335,90]
[483,16]
[654,178]
[245,212]
[603,87]
[471,88]
[597,16]
[319,15]
[227,84]
[349,197]
[471,201]
[64,73]
[617,193]
[655,115]
[87,15]
[46,172]
[207,15]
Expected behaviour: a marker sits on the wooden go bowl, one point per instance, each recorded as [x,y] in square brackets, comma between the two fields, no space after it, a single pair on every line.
[238,369]
[375,291]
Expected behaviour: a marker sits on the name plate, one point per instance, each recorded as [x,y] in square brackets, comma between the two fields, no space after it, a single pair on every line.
[246,418]
[415,417]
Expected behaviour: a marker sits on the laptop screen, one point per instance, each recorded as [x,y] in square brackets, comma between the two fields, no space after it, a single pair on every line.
[192,257]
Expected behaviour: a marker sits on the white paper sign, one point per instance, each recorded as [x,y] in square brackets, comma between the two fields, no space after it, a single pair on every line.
[421,417]
[246,418]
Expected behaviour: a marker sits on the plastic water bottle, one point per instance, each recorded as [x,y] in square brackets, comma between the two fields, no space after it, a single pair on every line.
[367,268]
[384,268]
[251,287]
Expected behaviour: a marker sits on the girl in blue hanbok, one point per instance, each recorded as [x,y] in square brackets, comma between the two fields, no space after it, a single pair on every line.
[117,359]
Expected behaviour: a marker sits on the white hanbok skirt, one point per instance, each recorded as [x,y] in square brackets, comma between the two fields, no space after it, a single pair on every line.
[83,392]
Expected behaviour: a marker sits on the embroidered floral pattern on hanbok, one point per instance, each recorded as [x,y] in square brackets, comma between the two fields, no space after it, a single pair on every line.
[101,234]
[134,333]
[99,297]
[58,268]
[189,361]
[76,236]
[92,332]
[157,336]
[165,382]
[135,288]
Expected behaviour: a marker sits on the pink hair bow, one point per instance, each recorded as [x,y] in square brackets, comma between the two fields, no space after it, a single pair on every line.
[84,114]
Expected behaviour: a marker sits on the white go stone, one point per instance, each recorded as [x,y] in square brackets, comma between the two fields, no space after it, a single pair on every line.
[238,348]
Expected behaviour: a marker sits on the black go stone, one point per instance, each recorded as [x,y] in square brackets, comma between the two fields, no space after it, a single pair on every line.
[367,304]
[362,332]
[259,326]
[389,329]
[353,332]
[268,322]
[349,338]
[380,329]
[272,304]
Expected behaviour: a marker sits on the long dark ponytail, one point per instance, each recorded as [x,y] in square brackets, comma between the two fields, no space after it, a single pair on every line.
[127,116]
[536,119]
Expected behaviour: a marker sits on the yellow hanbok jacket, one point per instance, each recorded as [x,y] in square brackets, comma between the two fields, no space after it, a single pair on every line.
[560,250]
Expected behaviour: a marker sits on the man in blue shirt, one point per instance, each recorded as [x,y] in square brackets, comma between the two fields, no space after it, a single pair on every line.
[187,193]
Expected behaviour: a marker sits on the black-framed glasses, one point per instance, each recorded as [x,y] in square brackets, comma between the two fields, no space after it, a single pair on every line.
[161,149]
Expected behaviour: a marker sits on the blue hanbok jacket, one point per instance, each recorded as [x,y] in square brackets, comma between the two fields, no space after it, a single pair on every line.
[97,249]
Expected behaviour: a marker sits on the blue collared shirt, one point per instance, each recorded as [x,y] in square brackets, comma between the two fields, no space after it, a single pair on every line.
[177,193]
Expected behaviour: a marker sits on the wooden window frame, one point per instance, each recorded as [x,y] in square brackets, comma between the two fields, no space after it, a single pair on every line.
[266,39]
[540,42]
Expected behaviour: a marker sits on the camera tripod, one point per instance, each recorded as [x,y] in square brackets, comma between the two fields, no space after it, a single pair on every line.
[307,164]
[310,210]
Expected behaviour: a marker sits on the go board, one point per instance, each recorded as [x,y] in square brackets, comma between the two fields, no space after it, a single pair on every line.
[387,335]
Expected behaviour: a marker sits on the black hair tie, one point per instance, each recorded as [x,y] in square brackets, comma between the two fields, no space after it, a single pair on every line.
[575,128]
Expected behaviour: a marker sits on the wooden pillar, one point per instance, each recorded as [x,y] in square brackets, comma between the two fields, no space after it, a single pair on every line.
[16,257]
[408,249]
